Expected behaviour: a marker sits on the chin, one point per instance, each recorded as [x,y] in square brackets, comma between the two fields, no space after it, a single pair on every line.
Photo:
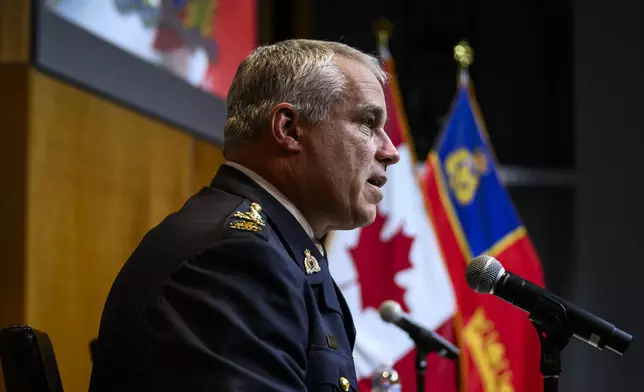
[366,215]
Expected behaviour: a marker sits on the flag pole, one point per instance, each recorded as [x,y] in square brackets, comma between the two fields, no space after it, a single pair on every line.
[464,55]
[382,29]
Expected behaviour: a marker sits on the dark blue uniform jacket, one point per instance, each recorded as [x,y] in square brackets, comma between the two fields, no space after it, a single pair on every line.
[217,298]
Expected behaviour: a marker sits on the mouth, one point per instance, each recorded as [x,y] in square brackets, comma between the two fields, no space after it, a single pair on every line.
[377,180]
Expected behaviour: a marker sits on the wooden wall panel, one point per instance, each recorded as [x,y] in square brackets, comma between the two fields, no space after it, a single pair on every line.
[83,179]
[15,21]
[100,176]
[207,158]
[13,159]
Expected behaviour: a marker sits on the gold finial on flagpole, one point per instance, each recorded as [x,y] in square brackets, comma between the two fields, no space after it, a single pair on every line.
[464,54]
[382,29]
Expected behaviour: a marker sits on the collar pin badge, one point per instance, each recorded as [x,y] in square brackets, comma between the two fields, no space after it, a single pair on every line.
[311,264]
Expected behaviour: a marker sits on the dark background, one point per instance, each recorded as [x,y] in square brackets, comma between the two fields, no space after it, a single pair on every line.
[522,68]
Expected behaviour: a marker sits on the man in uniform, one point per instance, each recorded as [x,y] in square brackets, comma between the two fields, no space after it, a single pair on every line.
[233,291]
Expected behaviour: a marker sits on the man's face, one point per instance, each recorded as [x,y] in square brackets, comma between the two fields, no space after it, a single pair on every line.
[348,154]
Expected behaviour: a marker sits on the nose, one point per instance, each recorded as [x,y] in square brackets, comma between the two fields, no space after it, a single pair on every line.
[387,153]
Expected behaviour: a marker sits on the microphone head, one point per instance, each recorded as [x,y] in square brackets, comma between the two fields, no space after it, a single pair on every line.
[391,311]
[482,274]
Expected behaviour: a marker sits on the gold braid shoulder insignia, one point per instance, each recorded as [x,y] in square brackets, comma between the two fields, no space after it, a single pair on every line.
[249,221]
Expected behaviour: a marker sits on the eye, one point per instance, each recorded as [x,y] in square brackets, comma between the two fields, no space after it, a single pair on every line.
[368,122]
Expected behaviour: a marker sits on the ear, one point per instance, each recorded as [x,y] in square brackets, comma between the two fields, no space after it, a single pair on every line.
[286,127]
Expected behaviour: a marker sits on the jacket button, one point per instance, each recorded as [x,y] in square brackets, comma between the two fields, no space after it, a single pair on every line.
[344,384]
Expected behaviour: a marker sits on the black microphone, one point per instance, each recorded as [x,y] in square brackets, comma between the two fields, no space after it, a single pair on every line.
[486,275]
[428,341]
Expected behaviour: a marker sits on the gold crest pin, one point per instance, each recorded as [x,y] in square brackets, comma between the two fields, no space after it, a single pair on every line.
[311,264]
[250,220]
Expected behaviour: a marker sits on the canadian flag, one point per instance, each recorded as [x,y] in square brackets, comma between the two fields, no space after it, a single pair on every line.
[398,258]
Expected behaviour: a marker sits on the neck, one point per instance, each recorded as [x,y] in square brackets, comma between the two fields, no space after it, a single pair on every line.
[282,178]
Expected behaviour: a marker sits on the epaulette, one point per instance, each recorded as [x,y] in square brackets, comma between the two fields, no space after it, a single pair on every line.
[248,217]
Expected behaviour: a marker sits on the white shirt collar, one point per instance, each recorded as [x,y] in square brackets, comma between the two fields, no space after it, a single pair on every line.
[268,187]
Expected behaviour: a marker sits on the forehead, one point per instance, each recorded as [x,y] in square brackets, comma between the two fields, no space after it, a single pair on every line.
[364,88]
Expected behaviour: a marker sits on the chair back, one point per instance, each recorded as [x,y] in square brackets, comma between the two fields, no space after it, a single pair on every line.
[28,361]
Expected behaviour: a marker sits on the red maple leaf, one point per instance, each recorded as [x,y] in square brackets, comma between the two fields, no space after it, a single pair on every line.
[378,262]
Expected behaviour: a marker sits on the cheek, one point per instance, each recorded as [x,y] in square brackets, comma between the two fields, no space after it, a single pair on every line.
[348,159]
[354,162]
[362,166]
[364,157]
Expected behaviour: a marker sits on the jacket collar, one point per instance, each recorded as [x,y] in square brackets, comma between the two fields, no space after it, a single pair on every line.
[288,228]
[277,194]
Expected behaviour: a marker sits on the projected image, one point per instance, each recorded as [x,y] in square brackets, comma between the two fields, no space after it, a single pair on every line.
[200,41]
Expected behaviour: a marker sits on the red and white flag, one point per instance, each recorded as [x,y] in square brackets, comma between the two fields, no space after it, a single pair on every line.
[397,258]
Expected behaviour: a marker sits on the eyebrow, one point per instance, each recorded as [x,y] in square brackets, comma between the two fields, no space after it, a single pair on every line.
[377,111]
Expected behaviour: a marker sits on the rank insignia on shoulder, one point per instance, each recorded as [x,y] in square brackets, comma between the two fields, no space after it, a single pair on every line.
[311,264]
[245,226]
[253,214]
[249,221]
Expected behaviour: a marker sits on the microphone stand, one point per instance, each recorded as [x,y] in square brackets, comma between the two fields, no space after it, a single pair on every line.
[421,368]
[422,350]
[554,335]
[426,342]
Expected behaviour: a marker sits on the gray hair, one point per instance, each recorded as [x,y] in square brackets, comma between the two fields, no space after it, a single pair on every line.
[300,72]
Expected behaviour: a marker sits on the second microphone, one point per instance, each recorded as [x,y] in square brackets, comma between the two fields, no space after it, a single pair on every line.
[426,340]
